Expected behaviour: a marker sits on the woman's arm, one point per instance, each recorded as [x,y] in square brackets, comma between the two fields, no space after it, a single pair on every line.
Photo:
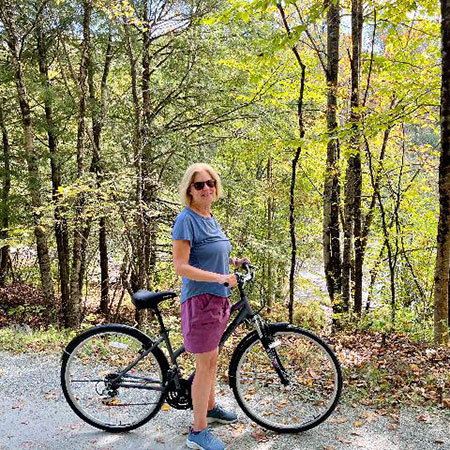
[181,252]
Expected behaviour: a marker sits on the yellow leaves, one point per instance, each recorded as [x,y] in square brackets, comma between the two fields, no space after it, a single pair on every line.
[165,407]
[414,367]
[112,402]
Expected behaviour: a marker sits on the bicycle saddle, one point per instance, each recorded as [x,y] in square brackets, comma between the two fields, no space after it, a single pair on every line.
[145,299]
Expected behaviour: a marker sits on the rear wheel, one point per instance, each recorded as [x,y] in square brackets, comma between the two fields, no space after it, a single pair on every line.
[89,377]
[313,371]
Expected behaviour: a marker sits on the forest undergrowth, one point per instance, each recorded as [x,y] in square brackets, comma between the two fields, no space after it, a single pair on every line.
[381,370]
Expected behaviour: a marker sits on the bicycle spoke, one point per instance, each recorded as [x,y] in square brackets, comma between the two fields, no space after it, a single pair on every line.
[310,393]
[93,386]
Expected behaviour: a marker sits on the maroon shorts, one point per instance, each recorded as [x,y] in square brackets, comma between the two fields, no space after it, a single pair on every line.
[203,321]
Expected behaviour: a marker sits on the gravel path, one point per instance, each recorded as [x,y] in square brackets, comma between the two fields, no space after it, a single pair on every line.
[34,415]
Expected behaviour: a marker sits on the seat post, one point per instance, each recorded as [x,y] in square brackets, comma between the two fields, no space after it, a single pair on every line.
[165,334]
[162,328]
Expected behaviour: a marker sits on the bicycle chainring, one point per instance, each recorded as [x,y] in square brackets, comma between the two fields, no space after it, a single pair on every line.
[179,398]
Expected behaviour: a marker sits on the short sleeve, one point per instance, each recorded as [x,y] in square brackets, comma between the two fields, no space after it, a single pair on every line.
[183,229]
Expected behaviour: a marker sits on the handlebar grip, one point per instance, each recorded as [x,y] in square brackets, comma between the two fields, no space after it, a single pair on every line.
[226,284]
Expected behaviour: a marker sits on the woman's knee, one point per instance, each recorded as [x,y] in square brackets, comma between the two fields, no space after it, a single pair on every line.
[207,360]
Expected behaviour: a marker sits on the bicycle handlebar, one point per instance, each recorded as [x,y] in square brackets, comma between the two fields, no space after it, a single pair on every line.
[248,276]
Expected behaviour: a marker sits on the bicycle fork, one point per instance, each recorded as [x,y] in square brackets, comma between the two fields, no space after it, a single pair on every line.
[270,344]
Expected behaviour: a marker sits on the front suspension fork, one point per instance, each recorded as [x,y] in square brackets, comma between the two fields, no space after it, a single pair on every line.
[269,345]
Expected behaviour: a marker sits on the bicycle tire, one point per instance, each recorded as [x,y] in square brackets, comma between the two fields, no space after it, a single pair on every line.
[93,357]
[315,380]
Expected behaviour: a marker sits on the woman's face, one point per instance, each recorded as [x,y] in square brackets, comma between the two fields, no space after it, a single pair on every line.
[206,195]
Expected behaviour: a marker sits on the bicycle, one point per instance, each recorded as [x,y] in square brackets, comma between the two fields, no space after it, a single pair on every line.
[284,378]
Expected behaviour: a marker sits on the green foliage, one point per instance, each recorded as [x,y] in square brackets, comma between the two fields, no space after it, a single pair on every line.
[21,340]
[224,89]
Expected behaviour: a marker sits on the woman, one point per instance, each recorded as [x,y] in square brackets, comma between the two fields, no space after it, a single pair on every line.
[201,256]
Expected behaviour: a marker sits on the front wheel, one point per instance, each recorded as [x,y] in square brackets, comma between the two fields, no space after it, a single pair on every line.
[314,379]
[96,387]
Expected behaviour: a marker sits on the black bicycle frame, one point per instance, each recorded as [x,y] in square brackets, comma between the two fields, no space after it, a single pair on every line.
[245,314]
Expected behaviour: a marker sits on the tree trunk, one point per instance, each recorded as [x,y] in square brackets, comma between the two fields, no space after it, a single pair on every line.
[72,315]
[8,13]
[331,238]
[441,276]
[139,273]
[6,176]
[292,233]
[99,109]
[352,208]
[61,231]
[270,210]
[301,130]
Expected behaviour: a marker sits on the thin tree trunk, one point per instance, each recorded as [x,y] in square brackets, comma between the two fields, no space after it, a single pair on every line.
[98,114]
[8,13]
[301,129]
[139,272]
[79,237]
[441,275]
[270,208]
[292,232]
[6,176]
[331,235]
[357,24]
[61,230]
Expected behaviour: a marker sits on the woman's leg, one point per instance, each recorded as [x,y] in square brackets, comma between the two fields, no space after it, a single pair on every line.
[203,386]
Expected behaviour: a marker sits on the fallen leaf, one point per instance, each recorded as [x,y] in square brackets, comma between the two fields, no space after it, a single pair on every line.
[446,402]
[424,418]
[357,424]
[259,435]
[165,407]
[439,441]
[341,419]
[343,439]
[160,440]
[329,447]
[238,429]
[392,426]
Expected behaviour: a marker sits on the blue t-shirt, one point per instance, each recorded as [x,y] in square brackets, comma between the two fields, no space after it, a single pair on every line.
[210,250]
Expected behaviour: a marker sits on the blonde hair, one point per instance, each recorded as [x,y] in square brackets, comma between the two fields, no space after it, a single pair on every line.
[188,178]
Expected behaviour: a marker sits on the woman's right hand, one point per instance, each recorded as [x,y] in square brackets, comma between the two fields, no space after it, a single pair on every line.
[230,279]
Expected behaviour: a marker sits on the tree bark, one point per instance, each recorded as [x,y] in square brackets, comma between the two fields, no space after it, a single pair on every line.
[8,17]
[98,114]
[138,276]
[270,210]
[331,196]
[441,276]
[72,315]
[60,227]
[352,207]
[6,187]
[301,130]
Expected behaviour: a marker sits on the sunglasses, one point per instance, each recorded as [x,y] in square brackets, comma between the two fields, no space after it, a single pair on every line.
[199,185]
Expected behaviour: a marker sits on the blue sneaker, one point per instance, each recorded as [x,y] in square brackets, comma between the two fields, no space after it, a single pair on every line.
[204,440]
[218,414]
